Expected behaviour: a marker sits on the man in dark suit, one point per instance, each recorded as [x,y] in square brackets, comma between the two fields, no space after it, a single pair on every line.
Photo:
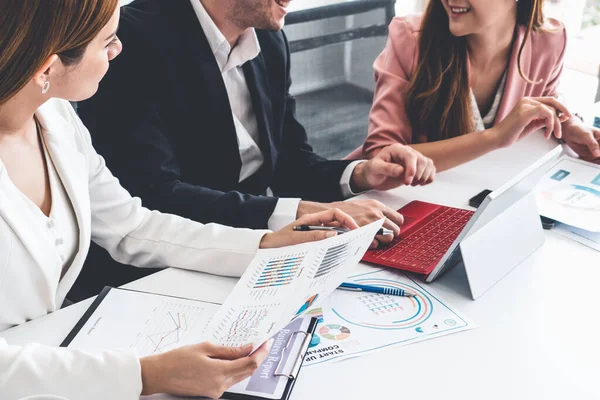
[196,119]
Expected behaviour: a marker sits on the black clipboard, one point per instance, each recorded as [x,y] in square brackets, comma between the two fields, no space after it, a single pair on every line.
[88,313]
[297,359]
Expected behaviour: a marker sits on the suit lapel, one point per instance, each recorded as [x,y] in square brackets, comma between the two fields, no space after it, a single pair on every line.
[206,79]
[515,86]
[256,77]
[71,167]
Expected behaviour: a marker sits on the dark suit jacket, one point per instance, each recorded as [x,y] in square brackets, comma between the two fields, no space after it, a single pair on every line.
[162,121]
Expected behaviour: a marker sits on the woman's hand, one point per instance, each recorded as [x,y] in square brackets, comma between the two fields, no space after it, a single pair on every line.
[529,115]
[584,140]
[287,236]
[200,370]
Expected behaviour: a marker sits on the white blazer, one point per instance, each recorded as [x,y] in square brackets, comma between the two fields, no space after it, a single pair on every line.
[30,284]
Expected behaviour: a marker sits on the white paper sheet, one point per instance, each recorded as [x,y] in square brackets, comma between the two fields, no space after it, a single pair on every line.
[278,286]
[570,193]
[358,323]
[153,324]
[589,239]
[281,284]
[147,322]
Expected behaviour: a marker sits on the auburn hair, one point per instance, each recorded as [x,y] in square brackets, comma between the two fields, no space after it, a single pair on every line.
[438,100]
[33,30]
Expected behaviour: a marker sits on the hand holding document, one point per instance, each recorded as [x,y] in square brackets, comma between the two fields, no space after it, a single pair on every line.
[278,286]
[281,284]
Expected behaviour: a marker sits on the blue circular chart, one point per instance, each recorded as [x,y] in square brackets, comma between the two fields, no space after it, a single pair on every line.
[384,312]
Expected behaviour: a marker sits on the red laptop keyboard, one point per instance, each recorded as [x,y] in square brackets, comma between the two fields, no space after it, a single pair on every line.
[428,232]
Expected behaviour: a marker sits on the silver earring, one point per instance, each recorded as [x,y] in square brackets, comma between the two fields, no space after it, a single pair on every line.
[46,87]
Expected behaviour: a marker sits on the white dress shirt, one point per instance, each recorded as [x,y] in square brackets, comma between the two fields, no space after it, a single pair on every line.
[230,61]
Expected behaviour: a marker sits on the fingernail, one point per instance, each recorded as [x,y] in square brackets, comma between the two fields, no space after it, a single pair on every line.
[330,234]
[247,346]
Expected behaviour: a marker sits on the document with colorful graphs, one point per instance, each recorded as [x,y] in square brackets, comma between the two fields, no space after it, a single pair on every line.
[281,284]
[154,323]
[354,324]
[278,286]
[570,193]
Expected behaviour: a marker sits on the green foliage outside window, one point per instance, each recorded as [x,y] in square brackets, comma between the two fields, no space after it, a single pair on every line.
[591,14]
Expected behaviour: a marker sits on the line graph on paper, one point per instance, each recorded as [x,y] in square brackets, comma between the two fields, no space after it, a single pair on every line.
[168,327]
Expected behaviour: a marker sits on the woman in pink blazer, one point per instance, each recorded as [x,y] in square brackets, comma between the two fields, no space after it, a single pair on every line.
[469,77]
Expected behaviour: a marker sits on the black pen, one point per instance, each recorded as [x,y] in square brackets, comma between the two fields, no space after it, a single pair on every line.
[306,228]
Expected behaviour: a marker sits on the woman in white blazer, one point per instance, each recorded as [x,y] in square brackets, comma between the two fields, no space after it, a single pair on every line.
[56,194]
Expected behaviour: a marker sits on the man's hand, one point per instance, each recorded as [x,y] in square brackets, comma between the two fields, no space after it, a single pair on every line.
[363,212]
[288,236]
[393,166]
[584,140]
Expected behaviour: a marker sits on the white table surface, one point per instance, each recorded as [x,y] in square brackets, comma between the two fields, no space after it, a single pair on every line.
[539,334]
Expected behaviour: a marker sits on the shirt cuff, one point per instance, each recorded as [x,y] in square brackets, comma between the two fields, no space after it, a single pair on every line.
[284,214]
[345,181]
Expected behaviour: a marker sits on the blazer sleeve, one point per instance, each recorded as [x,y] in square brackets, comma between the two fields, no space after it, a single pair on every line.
[388,121]
[552,86]
[126,120]
[300,172]
[36,370]
[135,235]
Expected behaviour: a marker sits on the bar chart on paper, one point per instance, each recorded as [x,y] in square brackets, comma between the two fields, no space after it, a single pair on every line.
[279,271]
[335,257]
[280,284]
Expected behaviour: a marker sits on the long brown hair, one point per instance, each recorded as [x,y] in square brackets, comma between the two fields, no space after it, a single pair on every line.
[33,30]
[438,101]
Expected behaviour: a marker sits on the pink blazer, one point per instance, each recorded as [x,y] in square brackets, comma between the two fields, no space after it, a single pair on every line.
[542,59]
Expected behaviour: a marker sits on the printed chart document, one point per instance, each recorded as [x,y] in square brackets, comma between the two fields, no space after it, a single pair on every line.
[278,287]
[281,284]
[153,324]
[358,323]
[570,193]
[147,322]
